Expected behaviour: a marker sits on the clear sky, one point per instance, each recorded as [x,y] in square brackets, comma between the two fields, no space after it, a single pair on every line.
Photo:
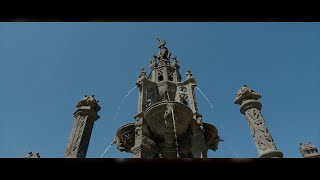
[46,68]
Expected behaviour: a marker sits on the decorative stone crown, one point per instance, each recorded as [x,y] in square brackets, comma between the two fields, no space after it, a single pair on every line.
[308,149]
[89,101]
[245,93]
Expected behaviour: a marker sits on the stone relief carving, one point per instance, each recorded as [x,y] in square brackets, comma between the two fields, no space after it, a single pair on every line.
[89,101]
[245,93]
[259,130]
[119,144]
[77,135]
[308,148]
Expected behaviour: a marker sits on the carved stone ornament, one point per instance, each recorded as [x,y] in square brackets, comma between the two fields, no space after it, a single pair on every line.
[245,93]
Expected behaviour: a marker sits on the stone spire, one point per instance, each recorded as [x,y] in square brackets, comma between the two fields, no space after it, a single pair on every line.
[250,107]
[308,150]
[85,116]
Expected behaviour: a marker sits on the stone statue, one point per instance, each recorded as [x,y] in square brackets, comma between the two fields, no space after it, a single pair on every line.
[163,51]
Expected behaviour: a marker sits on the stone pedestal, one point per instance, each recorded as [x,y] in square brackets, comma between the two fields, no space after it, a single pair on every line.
[85,115]
[250,107]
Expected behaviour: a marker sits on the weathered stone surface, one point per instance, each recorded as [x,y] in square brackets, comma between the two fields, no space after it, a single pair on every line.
[250,107]
[85,115]
[211,136]
[163,51]
[32,155]
[308,150]
[125,137]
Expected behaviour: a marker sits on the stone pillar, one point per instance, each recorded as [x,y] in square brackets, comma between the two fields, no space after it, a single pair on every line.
[85,115]
[190,92]
[144,147]
[250,107]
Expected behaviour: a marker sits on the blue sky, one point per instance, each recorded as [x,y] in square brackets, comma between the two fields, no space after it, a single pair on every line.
[46,68]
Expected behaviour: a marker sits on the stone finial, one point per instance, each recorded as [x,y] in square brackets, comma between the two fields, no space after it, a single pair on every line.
[308,150]
[188,73]
[175,62]
[89,101]
[143,72]
[32,155]
[245,93]
[153,59]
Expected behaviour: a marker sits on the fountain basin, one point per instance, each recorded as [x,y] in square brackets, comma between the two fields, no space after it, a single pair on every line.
[125,137]
[158,117]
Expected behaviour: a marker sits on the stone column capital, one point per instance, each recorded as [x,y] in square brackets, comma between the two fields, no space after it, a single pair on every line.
[244,93]
[247,99]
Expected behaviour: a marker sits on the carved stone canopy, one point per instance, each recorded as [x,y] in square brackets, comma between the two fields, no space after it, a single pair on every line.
[245,93]
[89,101]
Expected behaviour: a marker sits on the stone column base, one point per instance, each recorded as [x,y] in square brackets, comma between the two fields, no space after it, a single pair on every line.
[271,154]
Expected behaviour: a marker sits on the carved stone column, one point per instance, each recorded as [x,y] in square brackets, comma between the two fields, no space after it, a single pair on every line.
[85,115]
[250,107]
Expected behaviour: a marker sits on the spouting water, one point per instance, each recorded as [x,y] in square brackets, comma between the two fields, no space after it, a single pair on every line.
[209,103]
[106,150]
[175,132]
[118,109]
[232,149]
[115,117]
